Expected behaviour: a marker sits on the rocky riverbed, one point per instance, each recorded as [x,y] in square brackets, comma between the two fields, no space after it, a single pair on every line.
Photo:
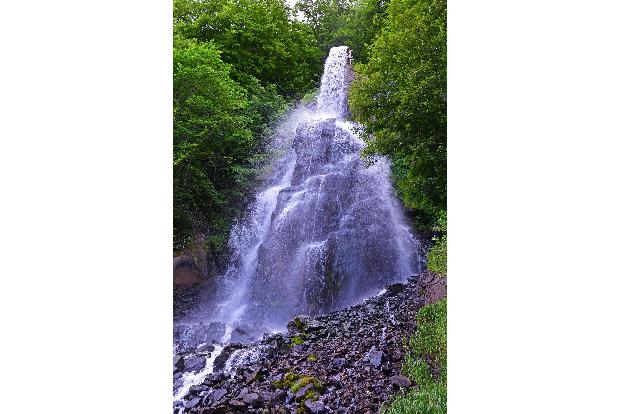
[348,361]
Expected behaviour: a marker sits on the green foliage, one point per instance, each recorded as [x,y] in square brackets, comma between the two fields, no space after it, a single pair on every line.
[236,62]
[425,364]
[312,357]
[400,97]
[299,325]
[436,258]
[259,38]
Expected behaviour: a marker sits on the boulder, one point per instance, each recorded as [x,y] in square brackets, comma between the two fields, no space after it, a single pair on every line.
[302,391]
[205,348]
[185,271]
[217,395]
[400,381]
[177,363]
[194,363]
[375,358]
[193,402]
[314,407]
[251,398]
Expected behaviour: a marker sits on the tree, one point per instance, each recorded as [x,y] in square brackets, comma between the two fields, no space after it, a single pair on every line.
[400,96]
[258,38]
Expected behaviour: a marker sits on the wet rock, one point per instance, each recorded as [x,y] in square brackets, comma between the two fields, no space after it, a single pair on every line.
[215,332]
[194,363]
[217,395]
[197,389]
[206,348]
[244,334]
[314,407]
[177,363]
[395,289]
[302,391]
[220,361]
[193,402]
[251,398]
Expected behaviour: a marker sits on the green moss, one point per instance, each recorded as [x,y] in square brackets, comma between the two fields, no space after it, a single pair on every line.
[312,358]
[297,340]
[301,326]
[287,381]
[303,382]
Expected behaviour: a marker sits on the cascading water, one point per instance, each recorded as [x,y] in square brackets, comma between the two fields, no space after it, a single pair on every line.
[326,230]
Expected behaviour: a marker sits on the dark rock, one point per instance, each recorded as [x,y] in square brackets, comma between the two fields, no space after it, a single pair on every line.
[185,271]
[177,363]
[206,348]
[337,364]
[215,332]
[217,395]
[395,289]
[302,391]
[376,358]
[251,398]
[400,381]
[197,389]
[192,402]
[220,361]
[194,363]
[236,404]
[315,406]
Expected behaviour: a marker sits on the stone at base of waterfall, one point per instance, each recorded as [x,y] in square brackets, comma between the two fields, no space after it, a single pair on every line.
[315,407]
[217,396]
[303,324]
[215,331]
[220,361]
[194,363]
[243,334]
[205,348]
[193,402]
[177,363]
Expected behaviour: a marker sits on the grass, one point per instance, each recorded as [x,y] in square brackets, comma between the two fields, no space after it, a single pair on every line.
[425,365]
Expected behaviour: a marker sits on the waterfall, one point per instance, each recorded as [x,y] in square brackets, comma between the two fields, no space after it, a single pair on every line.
[325,231]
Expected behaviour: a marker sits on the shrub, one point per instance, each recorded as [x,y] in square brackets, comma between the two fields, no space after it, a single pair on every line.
[436,258]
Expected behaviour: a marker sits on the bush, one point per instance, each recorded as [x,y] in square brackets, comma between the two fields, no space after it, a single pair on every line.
[436,258]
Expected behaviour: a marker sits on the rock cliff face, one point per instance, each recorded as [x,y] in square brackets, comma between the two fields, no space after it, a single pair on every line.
[347,361]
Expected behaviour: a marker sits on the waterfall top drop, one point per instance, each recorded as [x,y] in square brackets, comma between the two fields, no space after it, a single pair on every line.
[332,98]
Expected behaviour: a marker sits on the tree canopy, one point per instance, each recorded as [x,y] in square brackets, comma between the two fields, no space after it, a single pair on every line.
[400,97]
